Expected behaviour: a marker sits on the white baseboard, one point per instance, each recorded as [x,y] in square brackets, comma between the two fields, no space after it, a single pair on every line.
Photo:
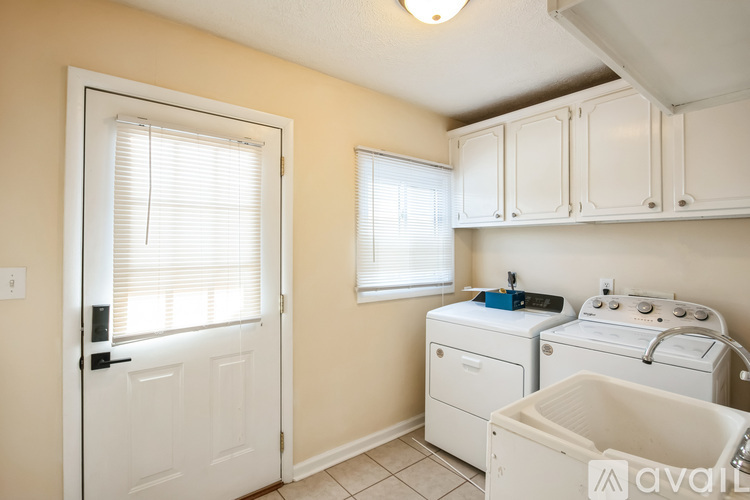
[345,452]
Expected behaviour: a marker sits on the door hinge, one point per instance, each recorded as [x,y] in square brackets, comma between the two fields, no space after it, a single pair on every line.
[281,441]
[80,363]
[579,112]
[281,304]
[580,207]
[283,166]
[570,114]
[570,209]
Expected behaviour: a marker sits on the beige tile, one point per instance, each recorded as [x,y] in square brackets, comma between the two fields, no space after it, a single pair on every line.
[274,495]
[467,470]
[418,435]
[358,473]
[429,479]
[319,486]
[466,491]
[480,480]
[395,455]
[390,489]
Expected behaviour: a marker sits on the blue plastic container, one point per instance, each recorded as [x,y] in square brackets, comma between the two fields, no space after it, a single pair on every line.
[510,300]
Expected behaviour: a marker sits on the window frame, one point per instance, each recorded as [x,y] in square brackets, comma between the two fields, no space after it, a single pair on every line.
[375,293]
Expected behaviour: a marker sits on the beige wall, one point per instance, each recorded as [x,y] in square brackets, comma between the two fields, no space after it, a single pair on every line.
[358,369]
[706,262]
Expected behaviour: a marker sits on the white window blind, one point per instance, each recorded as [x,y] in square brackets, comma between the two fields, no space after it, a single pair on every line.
[186,231]
[404,234]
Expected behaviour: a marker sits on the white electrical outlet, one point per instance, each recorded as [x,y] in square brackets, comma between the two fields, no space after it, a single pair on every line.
[607,284]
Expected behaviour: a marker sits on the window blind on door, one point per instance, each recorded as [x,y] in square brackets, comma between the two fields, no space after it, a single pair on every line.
[403,229]
[187,210]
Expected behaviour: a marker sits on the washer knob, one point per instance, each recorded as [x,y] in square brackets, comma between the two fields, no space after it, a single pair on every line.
[645,307]
[596,303]
[679,312]
[614,304]
[700,314]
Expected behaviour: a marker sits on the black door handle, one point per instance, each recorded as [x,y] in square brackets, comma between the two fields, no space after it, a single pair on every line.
[101,360]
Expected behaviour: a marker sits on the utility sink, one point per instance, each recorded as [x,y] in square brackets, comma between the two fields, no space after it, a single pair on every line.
[595,417]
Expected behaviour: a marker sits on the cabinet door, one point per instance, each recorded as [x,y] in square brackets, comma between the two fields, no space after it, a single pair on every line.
[712,159]
[618,155]
[538,166]
[479,178]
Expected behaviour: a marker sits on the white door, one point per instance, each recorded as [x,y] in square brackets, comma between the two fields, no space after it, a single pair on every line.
[619,156]
[538,167]
[712,155]
[195,411]
[479,176]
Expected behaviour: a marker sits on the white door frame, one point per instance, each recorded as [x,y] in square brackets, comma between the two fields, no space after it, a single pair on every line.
[78,81]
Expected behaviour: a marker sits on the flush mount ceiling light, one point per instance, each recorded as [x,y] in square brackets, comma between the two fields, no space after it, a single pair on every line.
[433,11]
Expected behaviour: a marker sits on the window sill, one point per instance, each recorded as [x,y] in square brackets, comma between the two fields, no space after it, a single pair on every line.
[402,293]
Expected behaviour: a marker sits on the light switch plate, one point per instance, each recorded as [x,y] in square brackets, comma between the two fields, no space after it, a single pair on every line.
[12,283]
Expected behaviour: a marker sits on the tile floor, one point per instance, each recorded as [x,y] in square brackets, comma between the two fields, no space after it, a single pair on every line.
[398,470]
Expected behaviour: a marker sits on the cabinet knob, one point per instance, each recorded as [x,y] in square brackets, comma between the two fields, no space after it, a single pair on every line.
[651,204]
[498,216]
[515,214]
[682,203]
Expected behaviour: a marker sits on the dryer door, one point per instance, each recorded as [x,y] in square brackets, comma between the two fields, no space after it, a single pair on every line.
[471,382]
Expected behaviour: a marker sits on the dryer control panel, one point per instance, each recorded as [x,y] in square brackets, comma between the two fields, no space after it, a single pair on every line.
[644,312]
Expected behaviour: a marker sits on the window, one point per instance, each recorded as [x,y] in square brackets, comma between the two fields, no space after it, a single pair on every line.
[186,231]
[404,234]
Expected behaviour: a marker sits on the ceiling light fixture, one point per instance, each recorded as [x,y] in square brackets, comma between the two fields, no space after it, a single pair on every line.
[433,11]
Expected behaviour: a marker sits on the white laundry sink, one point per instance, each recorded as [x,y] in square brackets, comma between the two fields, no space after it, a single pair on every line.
[594,417]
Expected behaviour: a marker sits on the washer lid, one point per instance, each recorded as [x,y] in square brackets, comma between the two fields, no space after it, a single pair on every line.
[689,351]
[521,322]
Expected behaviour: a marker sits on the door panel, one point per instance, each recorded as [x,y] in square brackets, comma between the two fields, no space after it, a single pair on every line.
[480,177]
[193,414]
[619,155]
[538,167]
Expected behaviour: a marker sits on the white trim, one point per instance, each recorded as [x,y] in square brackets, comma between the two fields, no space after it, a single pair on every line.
[345,452]
[388,154]
[364,296]
[78,80]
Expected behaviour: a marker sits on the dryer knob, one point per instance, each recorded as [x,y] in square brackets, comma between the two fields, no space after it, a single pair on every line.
[614,305]
[645,307]
[679,312]
[596,303]
[700,314]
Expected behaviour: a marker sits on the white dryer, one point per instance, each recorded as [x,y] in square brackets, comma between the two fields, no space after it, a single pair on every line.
[480,359]
[611,335]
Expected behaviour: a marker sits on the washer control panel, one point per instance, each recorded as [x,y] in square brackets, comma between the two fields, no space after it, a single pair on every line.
[658,314]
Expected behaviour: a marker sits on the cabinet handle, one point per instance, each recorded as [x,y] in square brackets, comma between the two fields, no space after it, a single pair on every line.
[651,204]
[682,203]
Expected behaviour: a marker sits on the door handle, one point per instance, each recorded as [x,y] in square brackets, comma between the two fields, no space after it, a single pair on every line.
[100,360]
[471,362]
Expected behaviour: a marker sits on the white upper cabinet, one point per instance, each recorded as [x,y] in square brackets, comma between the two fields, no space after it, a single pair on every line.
[712,161]
[535,166]
[618,157]
[539,166]
[479,178]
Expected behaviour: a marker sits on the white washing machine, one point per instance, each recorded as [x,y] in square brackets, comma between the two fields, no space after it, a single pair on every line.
[480,359]
[611,335]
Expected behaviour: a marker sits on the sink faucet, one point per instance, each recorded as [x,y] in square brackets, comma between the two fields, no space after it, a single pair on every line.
[741,460]
[705,332]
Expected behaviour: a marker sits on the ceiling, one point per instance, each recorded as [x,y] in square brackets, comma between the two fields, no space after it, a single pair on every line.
[495,56]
